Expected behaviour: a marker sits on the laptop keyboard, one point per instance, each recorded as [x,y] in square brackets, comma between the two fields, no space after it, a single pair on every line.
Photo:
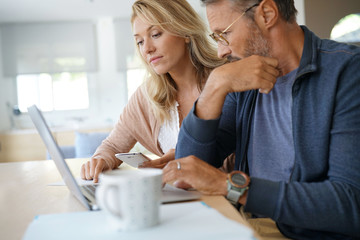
[90,189]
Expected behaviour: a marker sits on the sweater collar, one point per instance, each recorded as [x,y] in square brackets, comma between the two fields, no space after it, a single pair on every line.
[309,55]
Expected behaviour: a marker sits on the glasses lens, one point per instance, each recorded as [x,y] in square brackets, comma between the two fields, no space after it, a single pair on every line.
[223,40]
[219,38]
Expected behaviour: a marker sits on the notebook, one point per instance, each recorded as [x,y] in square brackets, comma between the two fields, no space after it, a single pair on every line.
[86,194]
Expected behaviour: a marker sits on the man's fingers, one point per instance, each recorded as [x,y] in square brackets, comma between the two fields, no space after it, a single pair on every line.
[273,72]
[271,61]
[269,83]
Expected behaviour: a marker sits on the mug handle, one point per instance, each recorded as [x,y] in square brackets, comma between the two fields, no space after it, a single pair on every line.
[101,196]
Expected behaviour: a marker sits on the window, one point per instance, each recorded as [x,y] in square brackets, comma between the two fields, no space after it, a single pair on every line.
[49,61]
[135,74]
[347,29]
[127,59]
[61,91]
[134,78]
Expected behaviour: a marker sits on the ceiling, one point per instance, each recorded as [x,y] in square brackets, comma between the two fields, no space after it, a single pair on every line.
[64,10]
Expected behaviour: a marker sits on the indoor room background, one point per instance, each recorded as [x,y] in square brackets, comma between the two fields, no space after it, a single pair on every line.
[76,60]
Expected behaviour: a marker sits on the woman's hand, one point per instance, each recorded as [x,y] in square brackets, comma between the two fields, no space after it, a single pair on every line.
[91,169]
[160,162]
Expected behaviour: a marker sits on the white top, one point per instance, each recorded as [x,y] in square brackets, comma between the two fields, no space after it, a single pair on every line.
[169,131]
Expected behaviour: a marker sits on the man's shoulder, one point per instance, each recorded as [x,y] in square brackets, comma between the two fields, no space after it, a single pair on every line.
[337,56]
[338,48]
[328,46]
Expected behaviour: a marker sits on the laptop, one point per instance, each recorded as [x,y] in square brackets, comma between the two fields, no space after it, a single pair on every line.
[86,193]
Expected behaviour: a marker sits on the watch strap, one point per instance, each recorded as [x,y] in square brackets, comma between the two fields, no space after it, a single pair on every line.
[235,191]
[234,194]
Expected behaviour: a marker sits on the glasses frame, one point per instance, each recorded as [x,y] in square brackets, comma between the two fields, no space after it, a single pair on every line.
[218,37]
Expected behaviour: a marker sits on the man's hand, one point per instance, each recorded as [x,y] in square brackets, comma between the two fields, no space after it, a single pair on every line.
[196,173]
[254,72]
[160,162]
[250,73]
[91,169]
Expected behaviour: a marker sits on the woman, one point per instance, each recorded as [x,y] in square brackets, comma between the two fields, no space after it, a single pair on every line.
[173,44]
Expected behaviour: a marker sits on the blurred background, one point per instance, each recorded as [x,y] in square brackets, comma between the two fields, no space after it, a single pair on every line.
[75,59]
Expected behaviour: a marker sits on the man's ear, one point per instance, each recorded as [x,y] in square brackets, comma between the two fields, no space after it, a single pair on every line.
[267,14]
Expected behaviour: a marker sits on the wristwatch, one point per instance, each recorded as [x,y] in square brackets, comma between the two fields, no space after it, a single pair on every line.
[237,184]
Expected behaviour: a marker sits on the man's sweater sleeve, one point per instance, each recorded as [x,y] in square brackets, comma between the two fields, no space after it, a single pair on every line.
[198,137]
[210,140]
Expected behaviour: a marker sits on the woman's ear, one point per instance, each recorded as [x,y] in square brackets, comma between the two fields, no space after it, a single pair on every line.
[187,39]
[267,14]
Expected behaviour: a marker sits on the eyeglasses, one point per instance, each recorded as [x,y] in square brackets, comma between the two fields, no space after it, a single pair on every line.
[219,37]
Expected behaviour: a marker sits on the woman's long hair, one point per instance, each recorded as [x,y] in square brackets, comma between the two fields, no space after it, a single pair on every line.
[178,18]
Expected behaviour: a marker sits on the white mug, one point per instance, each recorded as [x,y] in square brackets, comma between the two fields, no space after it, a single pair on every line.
[131,198]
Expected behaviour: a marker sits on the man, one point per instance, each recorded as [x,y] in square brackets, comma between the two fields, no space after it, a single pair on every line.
[288,105]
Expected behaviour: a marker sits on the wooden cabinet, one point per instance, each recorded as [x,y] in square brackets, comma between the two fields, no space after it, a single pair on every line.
[27,145]
[21,147]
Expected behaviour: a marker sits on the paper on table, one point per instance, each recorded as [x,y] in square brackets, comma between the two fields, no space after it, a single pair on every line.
[193,220]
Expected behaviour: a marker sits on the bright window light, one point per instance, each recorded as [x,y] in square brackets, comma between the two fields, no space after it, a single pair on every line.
[135,74]
[52,92]
[347,29]
[135,78]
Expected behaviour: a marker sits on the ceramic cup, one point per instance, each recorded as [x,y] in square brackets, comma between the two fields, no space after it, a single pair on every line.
[131,198]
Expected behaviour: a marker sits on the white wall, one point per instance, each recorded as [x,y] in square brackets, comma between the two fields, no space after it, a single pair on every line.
[110,85]
[3,116]
[300,6]
[6,88]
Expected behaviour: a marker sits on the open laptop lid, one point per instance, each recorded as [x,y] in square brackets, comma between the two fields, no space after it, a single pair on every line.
[169,193]
[56,155]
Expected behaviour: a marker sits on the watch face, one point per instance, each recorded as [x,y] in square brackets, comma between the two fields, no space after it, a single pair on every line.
[238,179]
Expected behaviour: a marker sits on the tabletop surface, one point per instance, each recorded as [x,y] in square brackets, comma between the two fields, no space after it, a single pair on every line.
[25,193]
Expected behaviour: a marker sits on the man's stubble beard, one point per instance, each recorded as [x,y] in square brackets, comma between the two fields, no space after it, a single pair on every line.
[256,44]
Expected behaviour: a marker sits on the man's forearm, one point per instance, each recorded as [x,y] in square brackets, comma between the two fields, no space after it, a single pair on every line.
[211,100]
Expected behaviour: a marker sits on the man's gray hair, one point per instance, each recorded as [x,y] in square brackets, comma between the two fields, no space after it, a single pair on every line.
[286,7]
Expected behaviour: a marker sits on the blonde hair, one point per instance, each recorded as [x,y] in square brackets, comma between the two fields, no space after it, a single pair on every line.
[178,18]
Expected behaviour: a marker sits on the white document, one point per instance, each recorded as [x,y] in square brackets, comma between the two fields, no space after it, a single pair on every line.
[193,220]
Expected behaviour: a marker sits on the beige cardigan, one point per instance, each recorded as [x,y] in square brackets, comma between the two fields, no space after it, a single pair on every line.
[136,124]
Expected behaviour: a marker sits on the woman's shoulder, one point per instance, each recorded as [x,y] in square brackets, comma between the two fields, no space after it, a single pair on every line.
[139,102]
[139,95]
